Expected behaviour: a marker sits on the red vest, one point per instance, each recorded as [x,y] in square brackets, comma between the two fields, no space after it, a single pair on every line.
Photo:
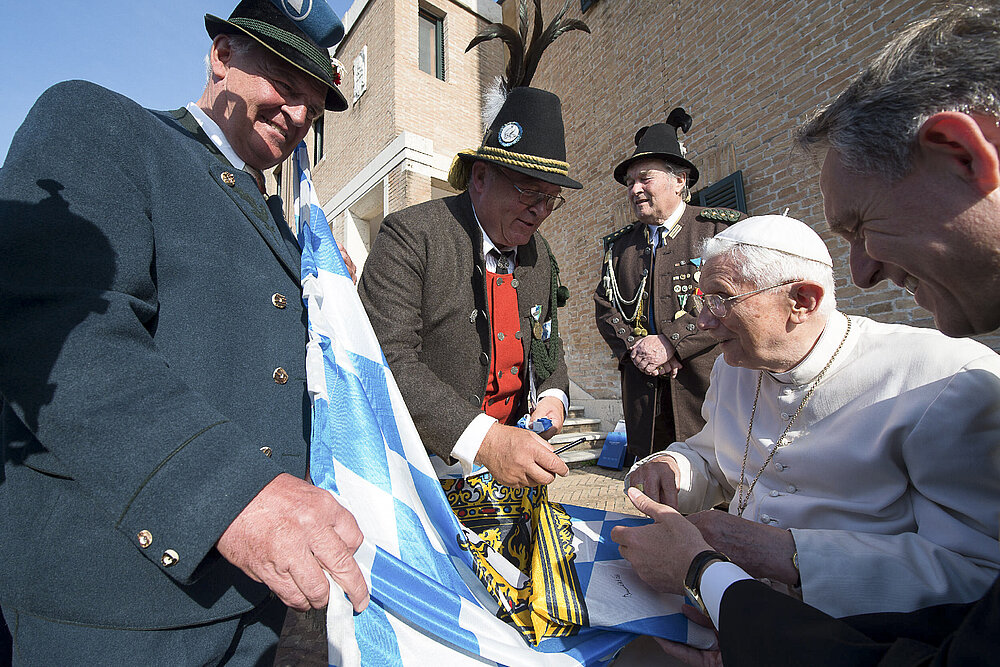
[503,386]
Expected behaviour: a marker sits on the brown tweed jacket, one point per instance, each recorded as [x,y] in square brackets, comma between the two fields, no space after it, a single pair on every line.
[674,276]
[424,288]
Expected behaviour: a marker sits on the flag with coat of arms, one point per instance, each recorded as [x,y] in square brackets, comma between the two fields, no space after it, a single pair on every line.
[427,603]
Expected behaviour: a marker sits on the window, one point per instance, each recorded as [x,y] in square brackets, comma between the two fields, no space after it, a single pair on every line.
[431,43]
[726,193]
[317,141]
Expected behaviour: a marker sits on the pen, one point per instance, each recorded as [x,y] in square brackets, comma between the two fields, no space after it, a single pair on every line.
[568,445]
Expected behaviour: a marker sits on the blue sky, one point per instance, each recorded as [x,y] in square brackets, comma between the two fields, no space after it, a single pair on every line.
[152,51]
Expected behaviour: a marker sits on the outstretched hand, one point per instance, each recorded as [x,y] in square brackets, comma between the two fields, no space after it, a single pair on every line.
[660,552]
[518,457]
[288,535]
[657,479]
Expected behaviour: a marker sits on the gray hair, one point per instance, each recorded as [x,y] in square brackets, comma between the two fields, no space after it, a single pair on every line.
[762,267]
[677,170]
[240,45]
[944,63]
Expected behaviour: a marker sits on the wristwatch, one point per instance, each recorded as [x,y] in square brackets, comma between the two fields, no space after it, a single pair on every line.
[692,582]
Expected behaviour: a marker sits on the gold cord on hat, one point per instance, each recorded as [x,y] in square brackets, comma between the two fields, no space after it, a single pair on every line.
[744,500]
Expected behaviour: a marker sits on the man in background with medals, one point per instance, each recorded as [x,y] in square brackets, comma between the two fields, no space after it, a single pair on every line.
[647,301]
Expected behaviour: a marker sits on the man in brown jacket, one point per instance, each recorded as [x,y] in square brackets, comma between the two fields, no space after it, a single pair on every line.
[647,301]
[461,292]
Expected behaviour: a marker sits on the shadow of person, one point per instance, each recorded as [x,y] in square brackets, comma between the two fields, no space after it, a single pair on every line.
[55,270]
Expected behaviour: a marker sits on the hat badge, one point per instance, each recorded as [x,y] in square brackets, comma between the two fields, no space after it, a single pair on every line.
[297,10]
[510,133]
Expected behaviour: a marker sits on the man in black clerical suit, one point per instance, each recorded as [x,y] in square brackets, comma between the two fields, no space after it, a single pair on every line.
[911,180]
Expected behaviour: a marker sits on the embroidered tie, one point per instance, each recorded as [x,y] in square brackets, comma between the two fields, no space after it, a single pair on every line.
[503,260]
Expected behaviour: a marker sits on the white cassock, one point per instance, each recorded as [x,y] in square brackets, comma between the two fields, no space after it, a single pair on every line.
[890,478]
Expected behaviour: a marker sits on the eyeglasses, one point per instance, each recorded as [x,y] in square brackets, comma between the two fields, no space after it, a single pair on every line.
[532,197]
[720,306]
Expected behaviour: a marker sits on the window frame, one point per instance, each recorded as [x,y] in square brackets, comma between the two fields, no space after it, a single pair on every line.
[438,23]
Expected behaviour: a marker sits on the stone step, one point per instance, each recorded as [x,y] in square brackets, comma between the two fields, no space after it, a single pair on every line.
[579,458]
[580,425]
[584,454]
[594,437]
[576,411]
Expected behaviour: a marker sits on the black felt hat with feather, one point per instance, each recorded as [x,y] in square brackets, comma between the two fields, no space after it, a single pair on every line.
[524,127]
[660,141]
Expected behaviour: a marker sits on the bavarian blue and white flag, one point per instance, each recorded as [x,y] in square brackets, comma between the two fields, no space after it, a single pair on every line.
[427,606]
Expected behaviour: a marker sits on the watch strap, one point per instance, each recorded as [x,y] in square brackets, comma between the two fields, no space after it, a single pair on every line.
[692,581]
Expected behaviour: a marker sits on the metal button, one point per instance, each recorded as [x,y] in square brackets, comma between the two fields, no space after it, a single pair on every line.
[774,493]
[690,327]
[514,283]
[279,375]
[674,336]
[266,451]
[228,178]
[145,538]
[499,281]
[779,466]
[517,335]
[785,416]
[765,518]
[651,385]
[631,338]
[615,320]
[279,300]
[513,370]
[484,359]
[169,558]
[472,316]
[791,488]
[621,331]
[500,336]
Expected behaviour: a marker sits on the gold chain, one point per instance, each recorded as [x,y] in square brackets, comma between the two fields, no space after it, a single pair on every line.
[744,500]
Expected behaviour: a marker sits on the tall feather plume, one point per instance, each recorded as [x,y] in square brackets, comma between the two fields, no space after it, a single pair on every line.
[559,25]
[524,55]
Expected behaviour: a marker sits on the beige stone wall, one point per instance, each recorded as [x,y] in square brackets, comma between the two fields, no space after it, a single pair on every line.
[401,98]
[747,72]
[355,136]
[446,112]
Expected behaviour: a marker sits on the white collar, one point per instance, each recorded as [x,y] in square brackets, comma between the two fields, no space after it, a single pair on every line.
[819,356]
[667,224]
[214,132]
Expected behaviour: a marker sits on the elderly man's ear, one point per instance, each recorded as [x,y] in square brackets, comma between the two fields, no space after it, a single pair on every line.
[966,145]
[806,297]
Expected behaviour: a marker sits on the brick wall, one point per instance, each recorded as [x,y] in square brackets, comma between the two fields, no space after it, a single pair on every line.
[400,97]
[747,72]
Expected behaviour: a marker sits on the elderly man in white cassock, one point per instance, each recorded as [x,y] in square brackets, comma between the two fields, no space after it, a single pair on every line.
[859,460]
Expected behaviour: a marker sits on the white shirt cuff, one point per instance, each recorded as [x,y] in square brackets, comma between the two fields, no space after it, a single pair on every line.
[467,447]
[716,578]
[561,395]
